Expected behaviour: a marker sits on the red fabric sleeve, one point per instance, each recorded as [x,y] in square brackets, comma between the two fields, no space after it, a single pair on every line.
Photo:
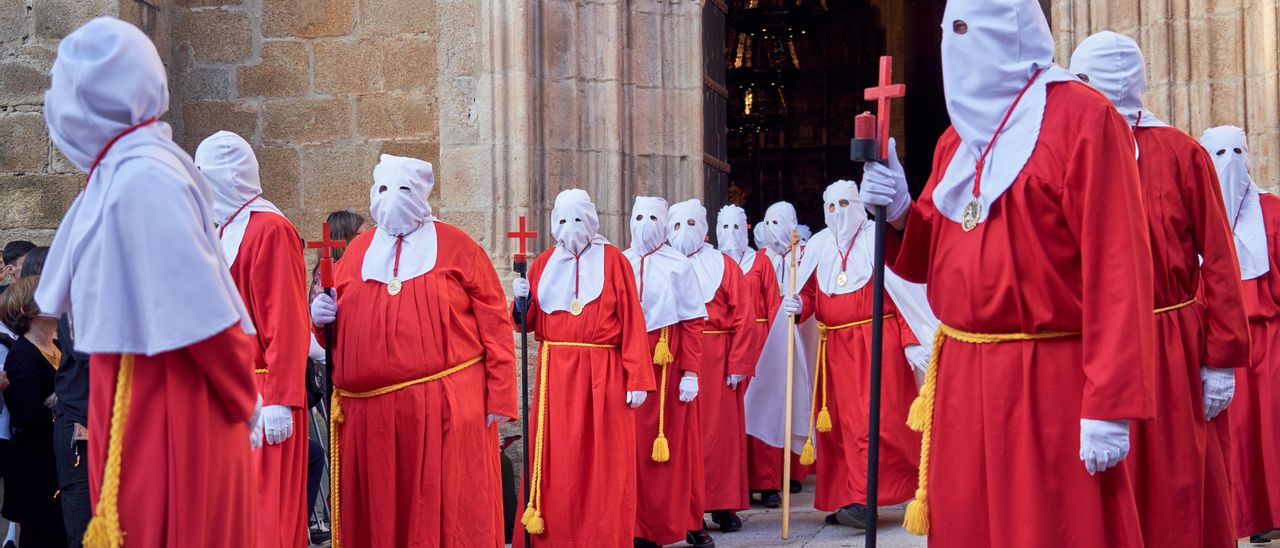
[278,297]
[637,357]
[494,326]
[1102,200]
[690,358]
[770,293]
[742,361]
[1227,326]
[222,358]
[905,334]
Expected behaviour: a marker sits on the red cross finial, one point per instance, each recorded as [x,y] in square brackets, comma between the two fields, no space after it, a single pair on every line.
[522,235]
[881,94]
[326,259]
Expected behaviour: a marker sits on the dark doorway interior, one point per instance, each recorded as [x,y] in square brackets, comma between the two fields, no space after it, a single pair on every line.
[781,99]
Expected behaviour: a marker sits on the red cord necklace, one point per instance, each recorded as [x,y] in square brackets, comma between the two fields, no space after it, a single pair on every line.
[223,228]
[973,211]
[111,143]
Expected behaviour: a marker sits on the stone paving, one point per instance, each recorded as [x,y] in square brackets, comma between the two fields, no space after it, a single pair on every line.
[762,527]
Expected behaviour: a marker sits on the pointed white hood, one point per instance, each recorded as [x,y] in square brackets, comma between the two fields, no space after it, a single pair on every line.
[731,235]
[135,261]
[1230,152]
[688,220]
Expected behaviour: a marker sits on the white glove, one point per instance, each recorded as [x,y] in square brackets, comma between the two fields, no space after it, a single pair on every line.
[917,357]
[885,184]
[1219,387]
[255,426]
[636,397]
[324,310]
[491,418]
[520,288]
[1103,444]
[792,305]
[688,388]
[277,421]
[734,380]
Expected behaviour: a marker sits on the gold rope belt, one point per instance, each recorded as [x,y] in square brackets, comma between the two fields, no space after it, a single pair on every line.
[104,529]
[335,452]
[662,356]
[259,371]
[718,332]
[532,517]
[809,455]
[762,320]
[920,418]
[1183,304]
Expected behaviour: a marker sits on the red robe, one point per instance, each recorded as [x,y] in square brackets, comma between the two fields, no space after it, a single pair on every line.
[1176,461]
[187,474]
[589,467]
[418,465]
[764,462]
[670,495]
[842,452]
[1065,248]
[1254,414]
[730,346]
[271,275]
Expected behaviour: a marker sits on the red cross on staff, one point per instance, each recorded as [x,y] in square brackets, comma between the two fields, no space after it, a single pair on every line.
[522,235]
[882,94]
[325,244]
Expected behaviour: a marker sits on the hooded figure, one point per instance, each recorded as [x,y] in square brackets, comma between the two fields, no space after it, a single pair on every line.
[728,347]
[268,267]
[596,365]
[668,440]
[779,224]
[422,346]
[136,263]
[1179,462]
[1032,238]
[1254,217]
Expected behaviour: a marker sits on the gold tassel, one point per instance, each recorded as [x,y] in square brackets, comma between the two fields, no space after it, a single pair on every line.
[824,420]
[528,515]
[661,449]
[662,352]
[917,520]
[104,529]
[807,455]
[915,417]
[536,525]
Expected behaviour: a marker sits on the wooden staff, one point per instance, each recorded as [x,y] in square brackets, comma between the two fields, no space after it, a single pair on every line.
[791,368]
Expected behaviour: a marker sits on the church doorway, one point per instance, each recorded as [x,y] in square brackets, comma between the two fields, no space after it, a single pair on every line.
[783,80]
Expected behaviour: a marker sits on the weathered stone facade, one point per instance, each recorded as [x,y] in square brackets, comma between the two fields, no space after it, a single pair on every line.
[1209,63]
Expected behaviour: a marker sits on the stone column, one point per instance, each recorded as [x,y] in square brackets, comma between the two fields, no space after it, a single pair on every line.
[1209,62]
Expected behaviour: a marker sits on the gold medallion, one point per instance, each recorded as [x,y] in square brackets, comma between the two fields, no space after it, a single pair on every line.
[842,279]
[972,212]
[575,307]
[393,287]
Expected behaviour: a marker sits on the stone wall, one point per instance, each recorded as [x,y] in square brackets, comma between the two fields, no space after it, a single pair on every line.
[319,87]
[36,183]
[1209,63]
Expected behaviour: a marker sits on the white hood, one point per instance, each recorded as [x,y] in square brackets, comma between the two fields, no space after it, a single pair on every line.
[229,164]
[990,51]
[689,236]
[398,203]
[1113,64]
[662,273]
[1230,152]
[731,235]
[575,270]
[135,261]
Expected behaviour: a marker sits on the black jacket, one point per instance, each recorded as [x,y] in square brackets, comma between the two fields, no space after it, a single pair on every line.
[31,473]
